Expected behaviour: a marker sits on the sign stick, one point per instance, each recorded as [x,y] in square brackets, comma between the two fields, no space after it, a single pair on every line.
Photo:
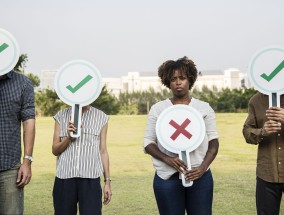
[76,119]
[184,156]
[274,100]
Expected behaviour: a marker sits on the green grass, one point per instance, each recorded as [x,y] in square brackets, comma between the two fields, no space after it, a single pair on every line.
[132,171]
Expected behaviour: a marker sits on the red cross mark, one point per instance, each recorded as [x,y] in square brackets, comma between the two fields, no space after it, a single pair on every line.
[180,129]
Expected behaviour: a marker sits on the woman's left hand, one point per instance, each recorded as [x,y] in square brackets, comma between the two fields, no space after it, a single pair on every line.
[107,193]
[195,173]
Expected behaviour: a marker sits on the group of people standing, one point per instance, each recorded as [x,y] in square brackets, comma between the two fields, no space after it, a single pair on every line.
[82,161]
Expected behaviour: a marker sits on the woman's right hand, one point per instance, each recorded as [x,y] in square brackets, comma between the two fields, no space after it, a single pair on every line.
[71,128]
[176,163]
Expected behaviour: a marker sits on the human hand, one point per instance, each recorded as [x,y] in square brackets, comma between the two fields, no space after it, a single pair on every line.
[71,128]
[107,193]
[195,173]
[176,163]
[24,174]
[271,127]
[275,114]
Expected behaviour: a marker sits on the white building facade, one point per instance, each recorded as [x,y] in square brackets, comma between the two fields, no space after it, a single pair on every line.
[136,81]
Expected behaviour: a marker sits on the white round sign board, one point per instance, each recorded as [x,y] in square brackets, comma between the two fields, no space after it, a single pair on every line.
[78,82]
[9,52]
[180,128]
[266,71]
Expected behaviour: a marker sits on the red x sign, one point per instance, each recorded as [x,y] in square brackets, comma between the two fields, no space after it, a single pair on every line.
[180,129]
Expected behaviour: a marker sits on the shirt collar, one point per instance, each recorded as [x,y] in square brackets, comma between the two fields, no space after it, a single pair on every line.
[7,75]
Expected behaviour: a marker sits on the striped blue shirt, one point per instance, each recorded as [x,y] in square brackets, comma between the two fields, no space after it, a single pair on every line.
[82,156]
[16,106]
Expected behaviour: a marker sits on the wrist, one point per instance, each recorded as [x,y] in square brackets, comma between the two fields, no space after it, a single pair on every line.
[262,133]
[28,158]
[107,180]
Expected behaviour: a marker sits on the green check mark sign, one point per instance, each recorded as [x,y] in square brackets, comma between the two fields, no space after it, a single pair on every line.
[274,72]
[79,85]
[3,47]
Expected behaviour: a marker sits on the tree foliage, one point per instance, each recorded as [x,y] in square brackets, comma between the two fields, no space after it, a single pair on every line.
[47,102]
[20,67]
[21,64]
[226,100]
[106,102]
[34,78]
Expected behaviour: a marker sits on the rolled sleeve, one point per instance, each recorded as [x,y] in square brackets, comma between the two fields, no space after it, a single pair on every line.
[150,132]
[28,106]
[210,124]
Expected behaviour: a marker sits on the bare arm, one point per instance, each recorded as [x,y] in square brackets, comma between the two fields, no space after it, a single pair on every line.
[25,172]
[105,161]
[208,159]
[59,146]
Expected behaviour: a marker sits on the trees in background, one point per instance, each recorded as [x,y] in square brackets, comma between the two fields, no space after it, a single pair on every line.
[20,67]
[227,100]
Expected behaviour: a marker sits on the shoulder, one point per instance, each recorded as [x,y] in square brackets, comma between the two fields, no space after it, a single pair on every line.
[196,103]
[161,104]
[257,97]
[97,113]
[63,113]
[19,76]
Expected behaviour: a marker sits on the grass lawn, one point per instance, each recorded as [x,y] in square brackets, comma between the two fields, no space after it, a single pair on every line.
[132,172]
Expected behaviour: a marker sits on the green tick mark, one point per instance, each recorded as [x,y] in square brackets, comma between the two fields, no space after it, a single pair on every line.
[3,47]
[274,73]
[81,84]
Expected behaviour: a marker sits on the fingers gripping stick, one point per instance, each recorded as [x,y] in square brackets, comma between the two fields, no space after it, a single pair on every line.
[184,156]
[76,119]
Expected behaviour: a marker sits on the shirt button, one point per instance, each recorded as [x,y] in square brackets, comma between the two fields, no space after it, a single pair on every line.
[279,162]
[279,135]
[279,148]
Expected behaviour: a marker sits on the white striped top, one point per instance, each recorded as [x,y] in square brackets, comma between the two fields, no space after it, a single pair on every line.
[82,156]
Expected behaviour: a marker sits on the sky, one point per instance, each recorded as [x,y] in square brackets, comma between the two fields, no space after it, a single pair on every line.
[138,36]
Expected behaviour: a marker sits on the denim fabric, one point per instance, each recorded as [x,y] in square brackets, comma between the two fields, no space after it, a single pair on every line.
[11,197]
[67,193]
[268,197]
[174,199]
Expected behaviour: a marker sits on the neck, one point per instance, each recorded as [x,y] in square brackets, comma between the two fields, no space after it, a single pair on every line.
[85,108]
[181,100]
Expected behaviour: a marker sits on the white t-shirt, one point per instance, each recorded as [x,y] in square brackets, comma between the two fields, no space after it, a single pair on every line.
[196,157]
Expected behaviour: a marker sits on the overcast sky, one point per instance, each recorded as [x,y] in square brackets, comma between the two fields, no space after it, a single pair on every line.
[120,36]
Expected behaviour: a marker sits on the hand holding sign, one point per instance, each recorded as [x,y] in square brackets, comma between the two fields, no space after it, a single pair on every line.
[78,83]
[181,129]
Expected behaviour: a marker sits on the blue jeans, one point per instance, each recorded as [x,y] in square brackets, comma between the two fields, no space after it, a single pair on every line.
[174,199]
[11,197]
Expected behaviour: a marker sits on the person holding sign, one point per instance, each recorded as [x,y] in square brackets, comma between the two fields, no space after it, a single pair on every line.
[171,196]
[80,163]
[264,127]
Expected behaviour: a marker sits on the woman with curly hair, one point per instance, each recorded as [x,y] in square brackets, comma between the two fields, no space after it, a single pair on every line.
[171,196]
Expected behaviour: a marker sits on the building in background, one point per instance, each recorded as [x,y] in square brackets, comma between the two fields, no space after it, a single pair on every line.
[142,81]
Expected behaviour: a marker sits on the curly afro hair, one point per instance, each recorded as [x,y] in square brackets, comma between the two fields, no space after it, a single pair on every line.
[184,65]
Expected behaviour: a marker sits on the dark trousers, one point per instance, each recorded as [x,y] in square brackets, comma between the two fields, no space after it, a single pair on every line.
[268,197]
[174,199]
[67,193]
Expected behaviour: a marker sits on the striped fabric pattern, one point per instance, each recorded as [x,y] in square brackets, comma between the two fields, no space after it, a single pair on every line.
[82,157]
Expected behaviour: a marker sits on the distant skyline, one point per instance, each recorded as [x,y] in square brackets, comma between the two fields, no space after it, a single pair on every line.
[127,35]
